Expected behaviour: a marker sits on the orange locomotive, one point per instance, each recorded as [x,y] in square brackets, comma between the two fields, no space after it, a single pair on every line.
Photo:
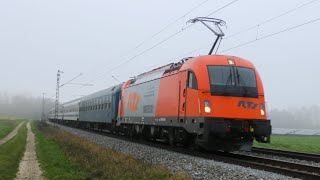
[213,102]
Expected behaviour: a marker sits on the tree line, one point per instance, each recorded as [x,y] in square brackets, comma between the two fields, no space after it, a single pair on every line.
[296,117]
[23,106]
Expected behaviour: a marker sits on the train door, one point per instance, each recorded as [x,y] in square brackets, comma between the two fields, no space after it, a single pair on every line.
[183,76]
[192,96]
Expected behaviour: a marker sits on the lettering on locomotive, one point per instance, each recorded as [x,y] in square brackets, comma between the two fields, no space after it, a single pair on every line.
[133,102]
[247,104]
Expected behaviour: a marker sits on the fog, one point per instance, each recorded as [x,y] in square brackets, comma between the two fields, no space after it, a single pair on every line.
[23,106]
[102,39]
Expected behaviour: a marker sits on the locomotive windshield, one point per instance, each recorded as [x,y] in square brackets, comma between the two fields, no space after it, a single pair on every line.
[232,81]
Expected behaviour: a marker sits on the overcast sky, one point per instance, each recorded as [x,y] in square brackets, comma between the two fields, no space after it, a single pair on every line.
[91,37]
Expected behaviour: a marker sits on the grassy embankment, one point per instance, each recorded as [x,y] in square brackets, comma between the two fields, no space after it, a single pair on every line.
[299,143]
[66,156]
[11,153]
[6,126]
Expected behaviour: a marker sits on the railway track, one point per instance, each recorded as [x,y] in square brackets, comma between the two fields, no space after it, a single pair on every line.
[289,154]
[277,166]
[282,167]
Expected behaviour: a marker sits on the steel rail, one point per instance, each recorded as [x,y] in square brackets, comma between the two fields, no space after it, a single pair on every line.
[288,154]
[278,166]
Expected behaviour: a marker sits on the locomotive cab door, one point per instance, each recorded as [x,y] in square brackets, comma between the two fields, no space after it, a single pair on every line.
[192,97]
[183,76]
[189,105]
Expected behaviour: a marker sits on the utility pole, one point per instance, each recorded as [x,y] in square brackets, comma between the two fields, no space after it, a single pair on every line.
[43,115]
[56,105]
[56,109]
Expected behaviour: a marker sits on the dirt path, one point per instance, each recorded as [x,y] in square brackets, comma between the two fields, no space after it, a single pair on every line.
[10,135]
[29,167]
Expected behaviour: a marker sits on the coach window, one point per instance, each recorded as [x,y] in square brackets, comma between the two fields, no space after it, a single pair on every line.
[192,81]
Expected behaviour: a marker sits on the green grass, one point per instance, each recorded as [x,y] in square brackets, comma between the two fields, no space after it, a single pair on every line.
[9,118]
[11,153]
[66,156]
[299,143]
[54,162]
[6,126]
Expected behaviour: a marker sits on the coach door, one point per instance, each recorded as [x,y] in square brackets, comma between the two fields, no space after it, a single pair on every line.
[182,96]
[192,97]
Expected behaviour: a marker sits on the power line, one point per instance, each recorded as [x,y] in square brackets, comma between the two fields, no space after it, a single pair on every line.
[222,8]
[170,24]
[164,28]
[271,19]
[71,80]
[166,39]
[171,36]
[273,34]
[252,27]
[152,47]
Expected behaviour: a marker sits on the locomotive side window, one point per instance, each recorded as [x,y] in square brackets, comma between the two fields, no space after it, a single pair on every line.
[192,80]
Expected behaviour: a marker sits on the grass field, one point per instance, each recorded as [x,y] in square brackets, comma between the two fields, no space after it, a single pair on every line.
[299,143]
[54,162]
[66,156]
[6,126]
[9,118]
[11,153]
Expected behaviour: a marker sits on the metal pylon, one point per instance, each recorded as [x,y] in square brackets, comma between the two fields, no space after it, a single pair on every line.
[56,109]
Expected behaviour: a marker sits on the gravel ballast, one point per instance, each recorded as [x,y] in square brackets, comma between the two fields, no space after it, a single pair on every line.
[196,167]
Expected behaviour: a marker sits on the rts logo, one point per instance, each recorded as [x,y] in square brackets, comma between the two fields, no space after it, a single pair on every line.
[133,101]
[247,104]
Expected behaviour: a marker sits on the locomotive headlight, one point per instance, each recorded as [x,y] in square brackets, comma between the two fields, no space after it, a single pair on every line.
[207,107]
[262,109]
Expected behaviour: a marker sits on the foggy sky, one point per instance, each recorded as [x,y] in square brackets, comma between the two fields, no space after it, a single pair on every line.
[91,37]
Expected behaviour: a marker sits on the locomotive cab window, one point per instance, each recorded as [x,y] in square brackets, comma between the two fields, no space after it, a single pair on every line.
[192,80]
[232,81]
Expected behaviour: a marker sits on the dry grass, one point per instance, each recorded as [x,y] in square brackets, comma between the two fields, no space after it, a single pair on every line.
[101,163]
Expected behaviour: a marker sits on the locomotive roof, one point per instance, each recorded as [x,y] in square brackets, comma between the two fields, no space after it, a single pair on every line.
[189,61]
[217,60]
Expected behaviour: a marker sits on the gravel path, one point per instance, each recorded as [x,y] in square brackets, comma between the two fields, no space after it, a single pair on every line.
[10,135]
[29,167]
[197,168]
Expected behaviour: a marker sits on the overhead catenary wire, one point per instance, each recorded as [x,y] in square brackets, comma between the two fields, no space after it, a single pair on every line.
[157,33]
[251,27]
[249,42]
[219,9]
[170,24]
[164,40]
[270,35]
[161,30]
[271,19]
[171,36]
[71,80]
